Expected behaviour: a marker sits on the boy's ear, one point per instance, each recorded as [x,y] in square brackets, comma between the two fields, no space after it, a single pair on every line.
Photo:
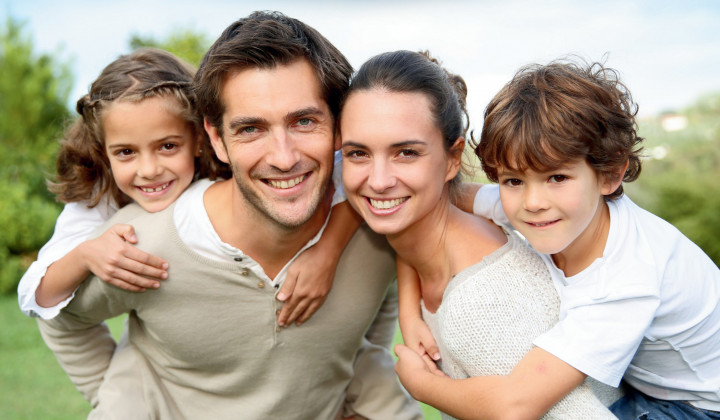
[611,183]
[455,158]
[216,141]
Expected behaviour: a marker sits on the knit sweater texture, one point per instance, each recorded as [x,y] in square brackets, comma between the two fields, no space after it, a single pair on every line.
[491,312]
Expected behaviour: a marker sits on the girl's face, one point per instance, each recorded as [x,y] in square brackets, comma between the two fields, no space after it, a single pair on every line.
[560,212]
[151,150]
[395,166]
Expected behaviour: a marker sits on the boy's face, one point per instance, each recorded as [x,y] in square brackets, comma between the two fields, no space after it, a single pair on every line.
[559,212]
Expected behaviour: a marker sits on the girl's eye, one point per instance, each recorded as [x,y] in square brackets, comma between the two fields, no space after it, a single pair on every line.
[124,152]
[169,146]
[558,178]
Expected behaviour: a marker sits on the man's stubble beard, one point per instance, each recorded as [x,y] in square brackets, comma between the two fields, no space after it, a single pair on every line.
[275,217]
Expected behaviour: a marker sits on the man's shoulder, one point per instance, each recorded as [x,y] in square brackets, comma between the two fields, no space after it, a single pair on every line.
[134,215]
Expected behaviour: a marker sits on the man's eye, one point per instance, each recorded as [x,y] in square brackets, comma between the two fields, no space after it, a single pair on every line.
[304,121]
[249,130]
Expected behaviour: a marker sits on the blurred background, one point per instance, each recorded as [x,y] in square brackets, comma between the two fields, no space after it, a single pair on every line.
[667,53]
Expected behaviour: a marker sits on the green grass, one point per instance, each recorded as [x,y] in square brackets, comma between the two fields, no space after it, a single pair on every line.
[32,384]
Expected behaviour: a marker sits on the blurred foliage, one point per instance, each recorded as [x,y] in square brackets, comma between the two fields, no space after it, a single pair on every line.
[681,169]
[187,44]
[34,90]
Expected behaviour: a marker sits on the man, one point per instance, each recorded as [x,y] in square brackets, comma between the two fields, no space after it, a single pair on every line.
[207,343]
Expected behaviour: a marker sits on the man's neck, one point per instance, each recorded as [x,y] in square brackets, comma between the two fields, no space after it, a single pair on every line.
[239,224]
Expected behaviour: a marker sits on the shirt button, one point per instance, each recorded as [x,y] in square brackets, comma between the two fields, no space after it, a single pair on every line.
[244,273]
[277,312]
[261,284]
[278,328]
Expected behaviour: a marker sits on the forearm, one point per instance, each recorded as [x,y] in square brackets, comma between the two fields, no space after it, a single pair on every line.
[465,197]
[537,383]
[341,227]
[61,279]
[409,295]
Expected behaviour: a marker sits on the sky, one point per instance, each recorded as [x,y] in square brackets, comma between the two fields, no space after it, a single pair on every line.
[667,52]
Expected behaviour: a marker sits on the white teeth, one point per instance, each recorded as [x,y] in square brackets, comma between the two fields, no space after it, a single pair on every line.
[387,204]
[156,189]
[286,184]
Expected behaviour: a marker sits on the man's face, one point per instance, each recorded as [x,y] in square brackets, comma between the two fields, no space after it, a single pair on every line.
[278,139]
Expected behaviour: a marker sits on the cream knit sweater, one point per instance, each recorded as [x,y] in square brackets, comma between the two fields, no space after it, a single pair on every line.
[491,312]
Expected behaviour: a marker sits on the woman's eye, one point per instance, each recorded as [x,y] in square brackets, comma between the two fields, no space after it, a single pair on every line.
[355,154]
[408,153]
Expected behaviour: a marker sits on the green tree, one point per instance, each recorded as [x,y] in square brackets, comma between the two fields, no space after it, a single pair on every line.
[187,44]
[680,183]
[34,89]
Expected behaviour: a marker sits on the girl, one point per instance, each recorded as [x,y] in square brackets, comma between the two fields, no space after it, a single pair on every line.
[485,293]
[139,139]
[639,301]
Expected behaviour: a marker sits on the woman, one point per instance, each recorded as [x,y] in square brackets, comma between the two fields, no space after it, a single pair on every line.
[484,292]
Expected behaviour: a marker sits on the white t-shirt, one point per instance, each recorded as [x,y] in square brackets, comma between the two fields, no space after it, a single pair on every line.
[77,222]
[648,311]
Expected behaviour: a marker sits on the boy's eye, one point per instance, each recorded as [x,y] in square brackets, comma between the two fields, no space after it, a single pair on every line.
[513,182]
[558,178]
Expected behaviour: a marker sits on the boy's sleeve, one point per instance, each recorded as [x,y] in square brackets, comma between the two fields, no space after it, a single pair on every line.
[339,195]
[75,225]
[488,205]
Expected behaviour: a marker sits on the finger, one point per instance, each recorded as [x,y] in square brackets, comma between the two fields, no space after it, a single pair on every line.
[287,288]
[124,285]
[433,351]
[429,363]
[311,309]
[144,258]
[286,311]
[299,309]
[140,269]
[400,349]
[133,279]
[126,232]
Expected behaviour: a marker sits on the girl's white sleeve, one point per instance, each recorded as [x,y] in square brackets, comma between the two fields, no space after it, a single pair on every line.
[487,204]
[74,225]
[339,195]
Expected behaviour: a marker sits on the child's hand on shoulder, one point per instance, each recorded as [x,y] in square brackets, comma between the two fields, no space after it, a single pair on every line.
[308,282]
[114,259]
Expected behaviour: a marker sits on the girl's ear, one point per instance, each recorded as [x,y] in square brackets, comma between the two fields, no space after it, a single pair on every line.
[612,182]
[216,141]
[199,145]
[455,158]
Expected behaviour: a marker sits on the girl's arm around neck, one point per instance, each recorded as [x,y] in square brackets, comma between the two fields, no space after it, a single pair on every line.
[311,275]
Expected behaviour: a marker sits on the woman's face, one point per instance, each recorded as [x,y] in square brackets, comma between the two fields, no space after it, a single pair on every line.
[395,166]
